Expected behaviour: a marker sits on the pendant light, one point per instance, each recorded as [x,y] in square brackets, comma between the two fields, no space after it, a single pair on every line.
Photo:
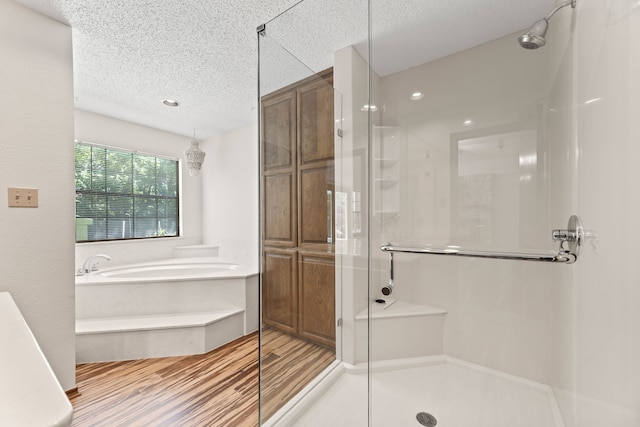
[194,156]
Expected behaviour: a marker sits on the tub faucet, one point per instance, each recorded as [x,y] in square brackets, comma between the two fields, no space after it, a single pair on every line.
[90,266]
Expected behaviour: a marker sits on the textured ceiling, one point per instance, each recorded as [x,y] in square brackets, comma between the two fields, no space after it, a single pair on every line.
[129,55]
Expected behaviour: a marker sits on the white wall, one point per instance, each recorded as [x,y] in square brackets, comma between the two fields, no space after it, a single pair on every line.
[498,312]
[230,202]
[36,131]
[104,130]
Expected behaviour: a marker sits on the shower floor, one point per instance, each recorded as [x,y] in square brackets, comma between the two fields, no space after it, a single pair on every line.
[455,393]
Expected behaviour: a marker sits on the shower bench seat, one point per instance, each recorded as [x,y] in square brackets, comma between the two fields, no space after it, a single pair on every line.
[155,335]
[401,329]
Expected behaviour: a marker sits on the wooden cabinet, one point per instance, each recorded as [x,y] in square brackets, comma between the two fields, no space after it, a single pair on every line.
[297,138]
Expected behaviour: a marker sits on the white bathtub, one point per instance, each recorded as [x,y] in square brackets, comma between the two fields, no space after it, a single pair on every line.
[169,269]
[163,308]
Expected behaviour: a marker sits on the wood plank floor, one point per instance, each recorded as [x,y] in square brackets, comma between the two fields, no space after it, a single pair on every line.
[217,389]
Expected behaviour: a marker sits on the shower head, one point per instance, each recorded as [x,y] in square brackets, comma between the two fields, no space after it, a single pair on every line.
[535,37]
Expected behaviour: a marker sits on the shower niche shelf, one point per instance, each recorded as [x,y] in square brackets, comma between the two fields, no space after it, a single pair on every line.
[385,216]
[382,163]
[385,183]
[386,172]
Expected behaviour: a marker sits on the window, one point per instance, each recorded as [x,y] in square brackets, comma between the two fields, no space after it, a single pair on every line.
[122,194]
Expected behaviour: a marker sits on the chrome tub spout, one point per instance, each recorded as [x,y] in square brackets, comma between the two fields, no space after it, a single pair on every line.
[89,265]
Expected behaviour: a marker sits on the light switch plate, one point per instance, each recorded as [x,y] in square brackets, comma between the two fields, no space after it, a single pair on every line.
[23,197]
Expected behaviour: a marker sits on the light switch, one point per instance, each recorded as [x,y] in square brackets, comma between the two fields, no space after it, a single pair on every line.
[23,197]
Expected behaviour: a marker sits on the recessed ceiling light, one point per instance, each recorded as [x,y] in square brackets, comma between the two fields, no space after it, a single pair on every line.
[170,102]
[369,108]
[415,96]
[468,122]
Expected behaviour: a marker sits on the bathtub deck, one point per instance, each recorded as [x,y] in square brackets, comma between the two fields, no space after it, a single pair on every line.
[163,315]
[156,335]
[150,322]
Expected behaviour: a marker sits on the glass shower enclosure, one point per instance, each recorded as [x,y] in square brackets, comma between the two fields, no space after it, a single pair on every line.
[477,212]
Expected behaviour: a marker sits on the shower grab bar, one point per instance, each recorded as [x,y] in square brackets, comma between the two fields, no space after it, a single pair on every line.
[562,257]
[570,242]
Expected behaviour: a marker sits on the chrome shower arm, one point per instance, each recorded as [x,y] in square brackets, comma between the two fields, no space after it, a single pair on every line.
[535,37]
[571,3]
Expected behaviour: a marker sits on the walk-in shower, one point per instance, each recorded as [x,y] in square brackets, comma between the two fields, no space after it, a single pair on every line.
[483,170]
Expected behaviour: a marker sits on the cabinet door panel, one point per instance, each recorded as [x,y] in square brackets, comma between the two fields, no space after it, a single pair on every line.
[280,224]
[280,290]
[317,318]
[315,224]
[279,131]
[315,122]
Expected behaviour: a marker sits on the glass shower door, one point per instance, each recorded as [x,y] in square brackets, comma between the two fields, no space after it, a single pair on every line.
[490,148]
[460,164]
[314,212]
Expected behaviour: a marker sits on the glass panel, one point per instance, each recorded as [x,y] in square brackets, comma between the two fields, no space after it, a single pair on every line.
[120,206]
[119,228]
[317,258]
[97,229]
[145,227]
[145,207]
[460,151]
[145,170]
[166,178]
[167,227]
[99,169]
[119,172]
[83,167]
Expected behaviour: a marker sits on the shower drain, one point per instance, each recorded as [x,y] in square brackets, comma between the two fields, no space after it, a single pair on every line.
[426,419]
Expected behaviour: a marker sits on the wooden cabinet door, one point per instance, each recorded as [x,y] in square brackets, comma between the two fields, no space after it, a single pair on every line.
[315,121]
[279,215]
[278,142]
[278,131]
[316,208]
[280,290]
[317,315]
[315,163]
